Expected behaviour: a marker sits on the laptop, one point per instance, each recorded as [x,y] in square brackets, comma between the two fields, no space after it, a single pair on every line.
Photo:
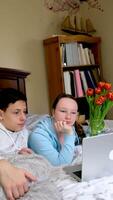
[97,158]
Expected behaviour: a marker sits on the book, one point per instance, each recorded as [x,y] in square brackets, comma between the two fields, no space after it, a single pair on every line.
[75,56]
[82,56]
[90,83]
[83,78]
[79,55]
[91,56]
[72,57]
[67,83]
[96,75]
[69,57]
[73,91]
[78,83]
[63,55]
[86,51]
[91,78]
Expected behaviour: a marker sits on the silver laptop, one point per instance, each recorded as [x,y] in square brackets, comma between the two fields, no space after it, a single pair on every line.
[97,158]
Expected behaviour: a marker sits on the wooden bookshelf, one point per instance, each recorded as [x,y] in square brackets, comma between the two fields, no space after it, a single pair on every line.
[56,69]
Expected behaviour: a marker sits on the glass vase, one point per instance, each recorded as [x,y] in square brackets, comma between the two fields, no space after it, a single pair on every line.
[96,126]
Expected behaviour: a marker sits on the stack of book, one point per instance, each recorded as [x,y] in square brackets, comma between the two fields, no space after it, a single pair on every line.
[79,74]
[77,82]
[74,54]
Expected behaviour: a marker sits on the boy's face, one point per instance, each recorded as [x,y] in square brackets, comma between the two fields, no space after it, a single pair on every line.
[14,117]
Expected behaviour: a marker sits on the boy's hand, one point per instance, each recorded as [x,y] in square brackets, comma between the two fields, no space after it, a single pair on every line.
[14,180]
[25,151]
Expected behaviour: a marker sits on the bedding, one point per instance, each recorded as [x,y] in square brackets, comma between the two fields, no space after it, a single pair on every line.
[44,188]
[53,183]
[68,187]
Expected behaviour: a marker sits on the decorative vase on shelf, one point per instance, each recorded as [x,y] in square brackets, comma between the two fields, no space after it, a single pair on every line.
[100,101]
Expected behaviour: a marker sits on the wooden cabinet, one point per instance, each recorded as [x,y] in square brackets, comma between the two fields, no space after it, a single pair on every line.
[13,78]
[56,69]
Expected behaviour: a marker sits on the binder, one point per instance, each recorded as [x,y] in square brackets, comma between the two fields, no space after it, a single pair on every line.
[73,91]
[67,83]
[69,58]
[84,81]
[75,56]
[86,51]
[90,83]
[78,83]
[82,56]
[96,75]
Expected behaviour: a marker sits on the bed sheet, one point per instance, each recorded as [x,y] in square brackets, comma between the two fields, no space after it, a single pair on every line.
[67,188]
[54,184]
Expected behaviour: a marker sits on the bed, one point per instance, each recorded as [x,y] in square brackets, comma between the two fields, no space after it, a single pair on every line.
[52,182]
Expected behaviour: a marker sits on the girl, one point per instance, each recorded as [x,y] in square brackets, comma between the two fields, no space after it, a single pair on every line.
[54,136]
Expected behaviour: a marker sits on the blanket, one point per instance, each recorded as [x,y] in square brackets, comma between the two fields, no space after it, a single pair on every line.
[54,184]
[45,187]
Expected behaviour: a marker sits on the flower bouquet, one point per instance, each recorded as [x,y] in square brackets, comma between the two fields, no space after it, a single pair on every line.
[100,101]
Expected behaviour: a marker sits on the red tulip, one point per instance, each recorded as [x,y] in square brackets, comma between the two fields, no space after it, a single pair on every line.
[90,92]
[98,90]
[107,86]
[100,100]
[110,96]
[101,84]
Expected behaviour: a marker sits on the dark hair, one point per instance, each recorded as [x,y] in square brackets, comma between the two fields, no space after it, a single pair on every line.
[10,95]
[60,96]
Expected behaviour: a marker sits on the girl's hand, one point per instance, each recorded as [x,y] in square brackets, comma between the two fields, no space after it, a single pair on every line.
[62,127]
[25,151]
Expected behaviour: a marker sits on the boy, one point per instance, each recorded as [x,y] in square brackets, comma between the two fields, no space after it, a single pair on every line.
[13,134]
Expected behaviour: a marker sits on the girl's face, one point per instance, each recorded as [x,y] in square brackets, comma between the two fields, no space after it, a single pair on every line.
[66,110]
[14,117]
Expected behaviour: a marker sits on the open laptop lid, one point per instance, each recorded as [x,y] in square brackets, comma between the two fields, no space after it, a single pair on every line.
[97,156]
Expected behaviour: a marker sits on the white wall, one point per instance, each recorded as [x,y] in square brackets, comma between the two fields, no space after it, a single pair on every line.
[23,26]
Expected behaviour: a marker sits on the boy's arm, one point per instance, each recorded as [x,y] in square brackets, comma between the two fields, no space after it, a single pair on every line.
[14,180]
[25,150]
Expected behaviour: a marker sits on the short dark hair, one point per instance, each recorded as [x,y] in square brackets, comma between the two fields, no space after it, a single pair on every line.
[10,95]
[60,96]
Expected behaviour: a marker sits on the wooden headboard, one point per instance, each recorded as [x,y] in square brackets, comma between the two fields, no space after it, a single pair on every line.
[13,78]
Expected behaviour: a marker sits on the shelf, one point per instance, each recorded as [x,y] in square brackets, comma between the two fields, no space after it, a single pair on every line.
[80,67]
[56,75]
[59,39]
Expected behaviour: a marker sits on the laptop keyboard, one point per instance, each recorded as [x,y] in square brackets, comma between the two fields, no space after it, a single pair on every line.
[78,173]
